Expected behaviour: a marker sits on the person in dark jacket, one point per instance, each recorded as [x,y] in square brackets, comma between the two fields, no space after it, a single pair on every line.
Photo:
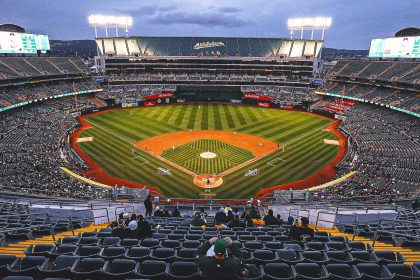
[254,213]
[148,205]
[176,213]
[220,217]
[302,232]
[248,221]
[229,217]
[144,230]
[236,222]
[220,259]
[197,221]
[269,219]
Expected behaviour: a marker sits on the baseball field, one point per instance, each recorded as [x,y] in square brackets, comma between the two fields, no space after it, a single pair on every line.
[251,148]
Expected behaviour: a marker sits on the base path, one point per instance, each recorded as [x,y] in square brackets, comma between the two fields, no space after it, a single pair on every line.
[257,145]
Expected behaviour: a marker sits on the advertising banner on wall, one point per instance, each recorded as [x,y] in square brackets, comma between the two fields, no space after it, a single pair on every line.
[160,95]
[251,95]
[149,103]
[263,104]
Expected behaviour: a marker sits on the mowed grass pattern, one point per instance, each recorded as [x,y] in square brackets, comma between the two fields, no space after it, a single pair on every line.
[117,131]
[188,156]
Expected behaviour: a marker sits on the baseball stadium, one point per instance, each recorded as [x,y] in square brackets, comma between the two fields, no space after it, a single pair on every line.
[183,154]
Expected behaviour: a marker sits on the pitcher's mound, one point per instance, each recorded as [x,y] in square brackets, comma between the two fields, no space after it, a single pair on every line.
[208,155]
[208,181]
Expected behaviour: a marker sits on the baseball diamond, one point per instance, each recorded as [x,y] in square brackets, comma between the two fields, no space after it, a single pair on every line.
[118,134]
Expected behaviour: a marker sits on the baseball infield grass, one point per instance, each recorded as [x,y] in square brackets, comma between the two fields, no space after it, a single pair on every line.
[115,133]
[188,156]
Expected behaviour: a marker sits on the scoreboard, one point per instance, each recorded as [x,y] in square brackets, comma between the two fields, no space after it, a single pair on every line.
[399,47]
[23,43]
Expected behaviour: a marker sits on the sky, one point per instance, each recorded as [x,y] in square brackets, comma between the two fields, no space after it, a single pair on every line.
[355,22]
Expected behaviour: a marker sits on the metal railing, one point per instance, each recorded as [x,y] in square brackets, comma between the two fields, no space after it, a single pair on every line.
[377,232]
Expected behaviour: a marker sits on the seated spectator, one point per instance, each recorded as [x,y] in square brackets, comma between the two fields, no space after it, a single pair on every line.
[229,216]
[132,227]
[220,217]
[280,219]
[158,212]
[254,213]
[197,221]
[269,219]
[236,222]
[302,232]
[144,229]
[220,259]
[290,220]
[176,213]
[203,214]
[248,221]
[166,213]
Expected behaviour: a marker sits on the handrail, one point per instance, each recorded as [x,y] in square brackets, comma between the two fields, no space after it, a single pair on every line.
[298,215]
[355,221]
[375,237]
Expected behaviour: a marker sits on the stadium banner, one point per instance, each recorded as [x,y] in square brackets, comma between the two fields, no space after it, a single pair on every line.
[400,47]
[149,103]
[24,43]
[166,94]
[251,95]
[263,104]
[236,101]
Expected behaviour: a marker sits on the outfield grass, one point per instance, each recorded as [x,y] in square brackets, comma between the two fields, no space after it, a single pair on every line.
[116,132]
[188,156]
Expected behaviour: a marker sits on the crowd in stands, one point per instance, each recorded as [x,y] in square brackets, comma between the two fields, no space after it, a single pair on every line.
[401,72]
[39,67]
[289,95]
[32,150]
[384,149]
[32,92]
[136,92]
[207,76]
[392,97]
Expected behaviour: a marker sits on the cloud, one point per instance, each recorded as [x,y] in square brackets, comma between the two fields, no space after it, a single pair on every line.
[213,16]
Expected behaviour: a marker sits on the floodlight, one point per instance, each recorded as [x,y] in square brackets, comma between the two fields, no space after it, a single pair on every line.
[316,23]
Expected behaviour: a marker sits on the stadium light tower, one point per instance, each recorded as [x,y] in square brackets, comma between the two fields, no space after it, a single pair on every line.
[106,22]
[302,24]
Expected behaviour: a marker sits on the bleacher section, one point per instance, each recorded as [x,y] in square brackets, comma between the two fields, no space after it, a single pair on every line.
[343,252]
[13,68]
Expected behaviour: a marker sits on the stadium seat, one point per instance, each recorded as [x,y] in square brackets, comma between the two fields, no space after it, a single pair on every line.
[364,257]
[315,257]
[316,246]
[310,271]
[39,250]
[265,238]
[374,271]
[342,272]
[110,241]
[60,267]
[293,246]
[387,257]
[28,266]
[253,245]
[186,254]
[191,244]
[152,269]
[163,254]
[173,244]
[340,257]
[150,243]
[120,269]
[63,249]
[112,252]
[138,253]
[68,240]
[273,245]
[261,257]
[91,241]
[359,246]
[403,271]
[88,251]
[129,242]
[183,270]
[7,260]
[337,246]
[278,271]
[289,256]
[88,268]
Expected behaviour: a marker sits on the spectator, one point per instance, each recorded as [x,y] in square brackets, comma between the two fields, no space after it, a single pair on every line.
[248,221]
[176,213]
[254,213]
[148,205]
[166,213]
[303,232]
[143,228]
[203,214]
[220,217]
[229,216]
[236,222]
[280,220]
[290,220]
[197,221]
[269,219]
[220,259]
[158,212]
